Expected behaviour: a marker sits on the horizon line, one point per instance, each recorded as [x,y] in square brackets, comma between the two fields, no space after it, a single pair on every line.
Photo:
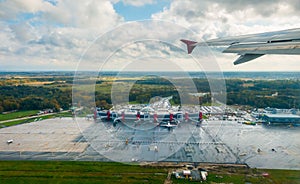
[6,71]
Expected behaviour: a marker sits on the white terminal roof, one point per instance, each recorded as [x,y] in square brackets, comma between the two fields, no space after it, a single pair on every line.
[282,115]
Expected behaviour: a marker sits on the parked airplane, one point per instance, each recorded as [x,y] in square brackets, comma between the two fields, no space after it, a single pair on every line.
[252,46]
[168,125]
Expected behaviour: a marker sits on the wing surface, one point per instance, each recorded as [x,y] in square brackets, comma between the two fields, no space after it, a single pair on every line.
[252,46]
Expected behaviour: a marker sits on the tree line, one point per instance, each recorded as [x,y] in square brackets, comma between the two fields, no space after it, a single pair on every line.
[33,98]
[256,93]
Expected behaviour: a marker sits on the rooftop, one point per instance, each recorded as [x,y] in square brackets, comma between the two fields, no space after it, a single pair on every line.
[282,115]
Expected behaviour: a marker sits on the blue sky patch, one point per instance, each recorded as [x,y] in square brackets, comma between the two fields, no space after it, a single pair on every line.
[132,13]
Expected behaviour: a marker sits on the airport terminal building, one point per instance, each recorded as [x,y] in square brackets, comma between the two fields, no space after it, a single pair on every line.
[282,118]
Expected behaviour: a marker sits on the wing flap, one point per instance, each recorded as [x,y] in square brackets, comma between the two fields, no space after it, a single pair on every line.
[246,57]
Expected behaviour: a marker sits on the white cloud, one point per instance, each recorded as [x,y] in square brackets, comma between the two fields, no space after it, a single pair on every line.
[24,32]
[223,18]
[85,14]
[138,2]
[36,34]
[13,9]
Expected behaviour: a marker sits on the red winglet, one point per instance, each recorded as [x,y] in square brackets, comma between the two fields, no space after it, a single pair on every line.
[190,45]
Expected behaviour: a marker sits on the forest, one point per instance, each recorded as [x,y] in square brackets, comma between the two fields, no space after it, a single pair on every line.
[56,92]
[33,98]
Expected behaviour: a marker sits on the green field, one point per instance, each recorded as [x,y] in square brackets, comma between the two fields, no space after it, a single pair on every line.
[78,172]
[29,120]
[17,122]
[111,172]
[18,114]
[238,175]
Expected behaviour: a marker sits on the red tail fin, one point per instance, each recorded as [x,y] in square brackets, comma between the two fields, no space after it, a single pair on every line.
[190,45]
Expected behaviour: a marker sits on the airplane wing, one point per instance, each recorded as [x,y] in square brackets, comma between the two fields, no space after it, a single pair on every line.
[252,46]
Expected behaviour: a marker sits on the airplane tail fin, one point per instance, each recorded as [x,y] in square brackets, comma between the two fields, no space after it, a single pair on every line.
[190,45]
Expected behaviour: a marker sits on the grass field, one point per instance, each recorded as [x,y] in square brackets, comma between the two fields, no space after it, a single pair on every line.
[78,172]
[18,114]
[111,172]
[238,175]
[17,122]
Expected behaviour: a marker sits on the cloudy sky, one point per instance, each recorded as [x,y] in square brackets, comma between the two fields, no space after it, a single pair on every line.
[64,34]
